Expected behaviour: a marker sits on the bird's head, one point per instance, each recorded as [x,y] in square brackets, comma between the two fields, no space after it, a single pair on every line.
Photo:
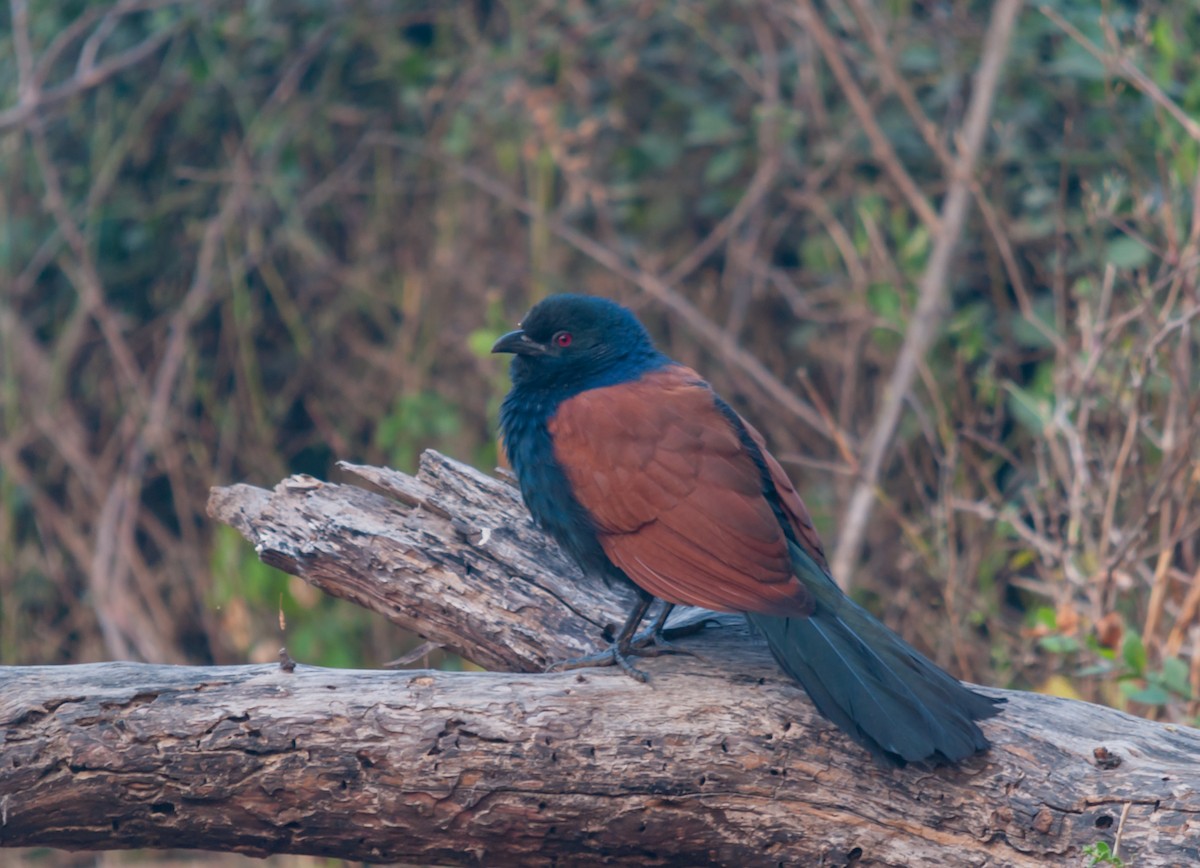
[576,342]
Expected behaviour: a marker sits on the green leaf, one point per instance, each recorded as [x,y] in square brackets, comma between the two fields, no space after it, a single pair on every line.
[711,126]
[1031,411]
[1127,253]
[1022,558]
[884,302]
[661,151]
[920,58]
[1059,644]
[480,341]
[1075,62]
[1163,35]
[1099,853]
[1151,694]
[1175,677]
[915,246]
[1099,850]
[723,166]
[1107,654]
[460,136]
[1033,336]
[1044,616]
[1133,652]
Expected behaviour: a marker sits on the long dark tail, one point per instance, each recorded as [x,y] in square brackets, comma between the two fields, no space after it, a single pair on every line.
[879,689]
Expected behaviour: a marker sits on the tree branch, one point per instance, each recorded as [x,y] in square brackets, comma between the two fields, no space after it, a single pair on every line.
[806,15]
[931,290]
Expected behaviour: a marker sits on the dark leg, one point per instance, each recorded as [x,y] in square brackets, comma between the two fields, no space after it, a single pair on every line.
[627,644]
[656,629]
[652,642]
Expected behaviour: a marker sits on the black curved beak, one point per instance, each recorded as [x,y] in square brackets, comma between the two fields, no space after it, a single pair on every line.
[519,344]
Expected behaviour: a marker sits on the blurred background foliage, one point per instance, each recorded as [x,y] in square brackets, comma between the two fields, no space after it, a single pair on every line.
[240,240]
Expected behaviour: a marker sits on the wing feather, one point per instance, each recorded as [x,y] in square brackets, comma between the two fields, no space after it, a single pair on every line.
[675,496]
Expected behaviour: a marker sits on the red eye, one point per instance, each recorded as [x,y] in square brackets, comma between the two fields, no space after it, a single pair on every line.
[563,339]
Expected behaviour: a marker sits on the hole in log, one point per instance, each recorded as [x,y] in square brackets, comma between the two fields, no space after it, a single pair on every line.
[1104,821]
[162,808]
[854,855]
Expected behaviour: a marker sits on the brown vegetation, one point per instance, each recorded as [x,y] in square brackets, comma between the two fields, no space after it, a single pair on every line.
[239,241]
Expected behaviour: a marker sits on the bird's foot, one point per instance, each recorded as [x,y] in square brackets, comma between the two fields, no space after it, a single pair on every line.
[652,643]
[649,643]
[610,656]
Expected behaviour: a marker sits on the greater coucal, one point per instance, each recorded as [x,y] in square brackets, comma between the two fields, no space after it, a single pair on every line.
[645,476]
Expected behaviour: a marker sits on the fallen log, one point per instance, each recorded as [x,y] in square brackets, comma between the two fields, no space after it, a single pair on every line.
[719,759]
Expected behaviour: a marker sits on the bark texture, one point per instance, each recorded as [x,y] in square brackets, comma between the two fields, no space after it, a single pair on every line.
[719,759]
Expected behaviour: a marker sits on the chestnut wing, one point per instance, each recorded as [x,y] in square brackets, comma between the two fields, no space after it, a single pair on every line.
[675,497]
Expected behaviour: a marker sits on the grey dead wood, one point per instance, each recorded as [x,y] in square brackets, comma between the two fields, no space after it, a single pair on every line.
[719,759]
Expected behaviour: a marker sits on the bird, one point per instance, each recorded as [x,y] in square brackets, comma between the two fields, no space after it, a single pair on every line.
[646,477]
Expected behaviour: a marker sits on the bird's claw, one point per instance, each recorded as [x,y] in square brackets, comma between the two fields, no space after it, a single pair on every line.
[650,643]
[610,656]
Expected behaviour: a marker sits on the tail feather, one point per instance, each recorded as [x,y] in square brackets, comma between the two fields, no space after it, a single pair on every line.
[875,686]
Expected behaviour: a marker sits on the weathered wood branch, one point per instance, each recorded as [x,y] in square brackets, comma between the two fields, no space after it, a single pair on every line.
[718,759]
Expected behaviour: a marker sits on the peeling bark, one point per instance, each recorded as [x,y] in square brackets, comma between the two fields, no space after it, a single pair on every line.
[719,758]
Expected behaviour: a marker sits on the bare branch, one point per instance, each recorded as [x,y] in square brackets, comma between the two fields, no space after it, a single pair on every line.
[808,18]
[33,99]
[931,289]
[1128,70]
